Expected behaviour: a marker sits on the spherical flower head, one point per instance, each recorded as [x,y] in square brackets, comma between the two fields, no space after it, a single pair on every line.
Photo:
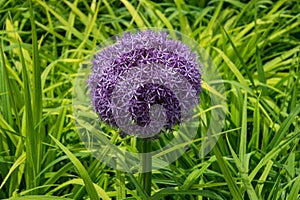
[143,73]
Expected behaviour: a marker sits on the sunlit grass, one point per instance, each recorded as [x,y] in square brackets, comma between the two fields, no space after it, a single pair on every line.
[256,47]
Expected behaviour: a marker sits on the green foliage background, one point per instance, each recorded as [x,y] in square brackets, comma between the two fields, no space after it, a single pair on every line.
[254,44]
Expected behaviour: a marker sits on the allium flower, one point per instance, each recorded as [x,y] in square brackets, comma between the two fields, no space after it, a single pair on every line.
[142,70]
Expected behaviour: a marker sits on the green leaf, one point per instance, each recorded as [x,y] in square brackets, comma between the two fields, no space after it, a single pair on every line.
[38,197]
[294,194]
[171,191]
[79,181]
[134,13]
[227,175]
[80,169]
[283,130]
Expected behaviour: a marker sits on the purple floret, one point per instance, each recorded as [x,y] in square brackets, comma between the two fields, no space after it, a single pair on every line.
[133,50]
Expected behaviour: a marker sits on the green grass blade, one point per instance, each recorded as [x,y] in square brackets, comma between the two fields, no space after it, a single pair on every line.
[192,177]
[273,153]
[37,95]
[6,112]
[71,29]
[121,190]
[260,71]
[227,175]
[245,67]
[134,13]
[171,192]
[167,23]
[283,130]
[243,137]
[232,66]
[16,164]
[30,142]
[38,197]
[241,165]
[294,194]
[262,179]
[79,181]
[80,169]
[184,24]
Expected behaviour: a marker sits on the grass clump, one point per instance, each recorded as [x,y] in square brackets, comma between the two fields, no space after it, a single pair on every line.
[255,45]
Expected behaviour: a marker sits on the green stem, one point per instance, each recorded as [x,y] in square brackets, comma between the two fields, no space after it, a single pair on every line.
[146,165]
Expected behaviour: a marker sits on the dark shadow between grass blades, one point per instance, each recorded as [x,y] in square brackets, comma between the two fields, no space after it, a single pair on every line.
[120,158]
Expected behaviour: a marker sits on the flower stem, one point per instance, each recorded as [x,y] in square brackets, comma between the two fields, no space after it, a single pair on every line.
[146,165]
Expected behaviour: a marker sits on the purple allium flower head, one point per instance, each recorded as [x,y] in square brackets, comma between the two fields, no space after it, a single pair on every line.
[138,72]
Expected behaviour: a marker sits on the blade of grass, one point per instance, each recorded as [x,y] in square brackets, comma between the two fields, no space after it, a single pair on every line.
[16,164]
[111,12]
[243,137]
[38,197]
[79,181]
[171,192]
[56,176]
[91,25]
[232,66]
[272,154]
[121,190]
[227,175]
[245,67]
[283,130]
[167,23]
[254,141]
[37,96]
[260,72]
[6,112]
[294,194]
[262,179]
[184,24]
[244,174]
[80,169]
[30,143]
[71,29]
[134,13]
[192,177]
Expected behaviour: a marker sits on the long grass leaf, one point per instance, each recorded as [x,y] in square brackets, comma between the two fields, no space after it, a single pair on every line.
[37,96]
[79,181]
[29,128]
[294,194]
[245,67]
[171,192]
[6,112]
[134,13]
[260,72]
[243,137]
[262,179]
[80,169]
[67,25]
[232,66]
[283,130]
[272,154]
[16,164]
[38,197]
[244,174]
[227,175]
